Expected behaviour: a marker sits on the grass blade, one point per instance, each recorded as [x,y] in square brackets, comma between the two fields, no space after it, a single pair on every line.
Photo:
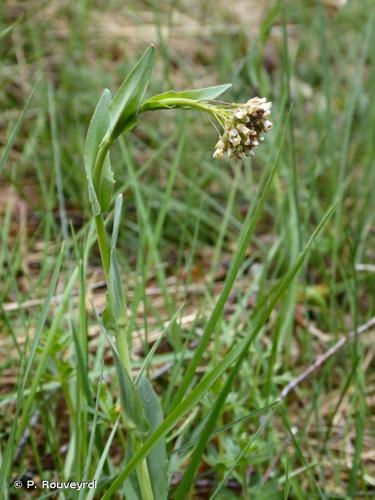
[16,128]
[15,432]
[103,458]
[193,398]
[243,453]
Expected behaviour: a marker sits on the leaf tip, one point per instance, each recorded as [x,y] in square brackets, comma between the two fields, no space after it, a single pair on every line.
[107,93]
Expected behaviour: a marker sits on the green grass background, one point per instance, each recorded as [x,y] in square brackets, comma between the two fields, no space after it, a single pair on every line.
[182,219]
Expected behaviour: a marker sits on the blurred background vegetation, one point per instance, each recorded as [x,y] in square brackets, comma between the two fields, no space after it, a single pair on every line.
[315,60]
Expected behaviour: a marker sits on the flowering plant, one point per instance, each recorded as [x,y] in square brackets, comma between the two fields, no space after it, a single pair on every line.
[243,128]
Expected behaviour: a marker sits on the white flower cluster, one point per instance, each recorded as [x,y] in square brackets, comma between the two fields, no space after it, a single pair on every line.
[244,129]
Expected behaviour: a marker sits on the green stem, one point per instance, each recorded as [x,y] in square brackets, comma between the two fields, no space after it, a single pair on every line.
[99,163]
[123,350]
[175,102]
[121,337]
[180,102]
[245,489]
[105,252]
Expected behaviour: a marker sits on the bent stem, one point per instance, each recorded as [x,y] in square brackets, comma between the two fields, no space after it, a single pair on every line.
[219,113]
[103,245]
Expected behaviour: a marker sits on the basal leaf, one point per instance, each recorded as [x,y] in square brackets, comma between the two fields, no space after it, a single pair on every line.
[125,105]
[131,488]
[131,485]
[157,458]
[135,419]
[100,188]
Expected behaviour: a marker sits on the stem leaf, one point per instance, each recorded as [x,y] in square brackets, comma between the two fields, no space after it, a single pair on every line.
[125,105]
[204,94]
[100,189]
[115,313]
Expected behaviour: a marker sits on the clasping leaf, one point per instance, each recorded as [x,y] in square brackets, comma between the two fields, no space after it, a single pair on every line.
[125,105]
[100,186]
[135,419]
[204,94]
[115,313]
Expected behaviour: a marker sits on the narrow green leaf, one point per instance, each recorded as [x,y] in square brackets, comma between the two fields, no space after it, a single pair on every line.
[155,346]
[103,459]
[224,428]
[7,30]
[287,483]
[50,340]
[94,433]
[243,453]
[100,185]
[204,94]
[188,477]
[82,367]
[13,135]
[125,105]
[311,476]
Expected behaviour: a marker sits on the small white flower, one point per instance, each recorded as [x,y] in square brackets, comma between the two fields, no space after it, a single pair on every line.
[240,113]
[267,125]
[234,137]
[267,108]
[218,154]
[243,130]
[219,149]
